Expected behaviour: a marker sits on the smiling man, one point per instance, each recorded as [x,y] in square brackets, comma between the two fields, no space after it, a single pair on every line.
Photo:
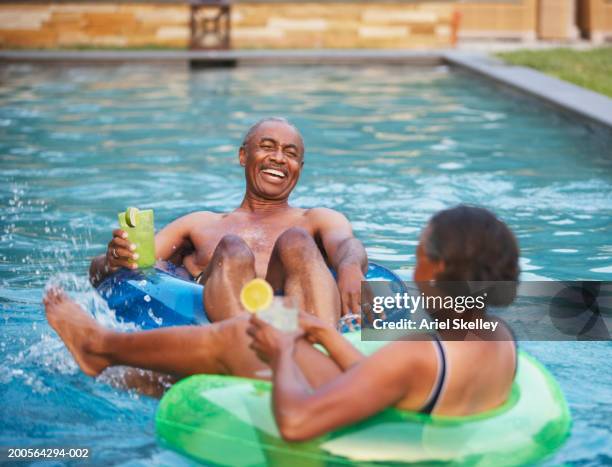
[292,248]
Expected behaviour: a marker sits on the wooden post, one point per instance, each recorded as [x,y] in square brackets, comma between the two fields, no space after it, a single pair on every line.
[210,25]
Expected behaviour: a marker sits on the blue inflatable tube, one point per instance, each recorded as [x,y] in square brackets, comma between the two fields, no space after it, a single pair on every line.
[153,298]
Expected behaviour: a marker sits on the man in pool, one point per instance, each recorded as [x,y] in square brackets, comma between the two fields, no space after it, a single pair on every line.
[292,248]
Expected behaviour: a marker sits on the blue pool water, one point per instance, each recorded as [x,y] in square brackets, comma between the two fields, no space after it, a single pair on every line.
[388,146]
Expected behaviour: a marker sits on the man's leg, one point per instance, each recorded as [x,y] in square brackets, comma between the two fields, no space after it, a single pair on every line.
[232,265]
[298,268]
[219,348]
[181,350]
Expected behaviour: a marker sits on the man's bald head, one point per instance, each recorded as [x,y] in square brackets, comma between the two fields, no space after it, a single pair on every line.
[259,123]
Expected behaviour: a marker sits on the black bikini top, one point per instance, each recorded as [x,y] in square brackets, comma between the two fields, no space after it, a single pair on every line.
[442,367]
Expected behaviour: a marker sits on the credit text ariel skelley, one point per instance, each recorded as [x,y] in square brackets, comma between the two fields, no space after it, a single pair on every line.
[412,303]
[435,324]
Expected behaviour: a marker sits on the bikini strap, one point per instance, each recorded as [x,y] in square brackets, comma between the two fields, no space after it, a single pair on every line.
[515,349]
[432,400]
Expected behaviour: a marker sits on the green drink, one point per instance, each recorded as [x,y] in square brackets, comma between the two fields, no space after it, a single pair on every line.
[140,229]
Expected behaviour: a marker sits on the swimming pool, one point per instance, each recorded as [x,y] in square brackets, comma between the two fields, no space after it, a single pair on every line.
[388,146]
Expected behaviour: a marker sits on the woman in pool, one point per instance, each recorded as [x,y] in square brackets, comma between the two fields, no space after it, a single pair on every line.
[428,375]
[432,375]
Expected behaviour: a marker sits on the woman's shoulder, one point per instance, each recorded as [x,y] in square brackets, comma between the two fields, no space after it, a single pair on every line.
[414,353]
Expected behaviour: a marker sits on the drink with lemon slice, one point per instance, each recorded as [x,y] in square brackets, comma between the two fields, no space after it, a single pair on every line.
[257,296]
[139,226]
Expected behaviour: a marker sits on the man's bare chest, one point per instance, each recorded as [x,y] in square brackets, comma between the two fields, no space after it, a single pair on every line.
[259,234]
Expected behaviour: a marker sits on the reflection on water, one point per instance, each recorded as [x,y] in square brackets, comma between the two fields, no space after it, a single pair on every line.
[388,146]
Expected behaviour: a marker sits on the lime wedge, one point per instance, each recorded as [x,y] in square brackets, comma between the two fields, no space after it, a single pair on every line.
[131,214]
[256,295]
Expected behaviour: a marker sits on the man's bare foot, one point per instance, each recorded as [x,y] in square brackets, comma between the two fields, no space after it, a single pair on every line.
[79,331]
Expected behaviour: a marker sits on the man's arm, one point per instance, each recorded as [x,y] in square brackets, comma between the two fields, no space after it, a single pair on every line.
[177,235]
[345,253]
[168,241]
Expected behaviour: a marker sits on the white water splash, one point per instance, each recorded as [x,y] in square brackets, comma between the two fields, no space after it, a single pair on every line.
[82,292]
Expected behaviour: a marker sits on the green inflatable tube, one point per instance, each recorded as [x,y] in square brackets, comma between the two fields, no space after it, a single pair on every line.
[222,420]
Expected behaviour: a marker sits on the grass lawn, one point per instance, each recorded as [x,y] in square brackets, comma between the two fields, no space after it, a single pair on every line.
[591,69]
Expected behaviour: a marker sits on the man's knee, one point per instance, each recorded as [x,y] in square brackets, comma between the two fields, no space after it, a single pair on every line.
[233,250]
[296,243]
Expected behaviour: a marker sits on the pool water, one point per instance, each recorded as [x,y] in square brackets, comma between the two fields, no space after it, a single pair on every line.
[388,146]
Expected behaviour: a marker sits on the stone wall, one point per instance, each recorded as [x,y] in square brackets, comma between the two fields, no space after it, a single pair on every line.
[258,24]
[557,19]
[33,25]
[342,25]
[595,19]
[499,19]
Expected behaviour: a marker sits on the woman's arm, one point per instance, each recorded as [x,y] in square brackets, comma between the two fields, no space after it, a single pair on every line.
[376,383]
[340,350]
[369,386]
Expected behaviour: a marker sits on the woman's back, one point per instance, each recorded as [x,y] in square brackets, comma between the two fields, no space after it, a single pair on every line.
[460,377]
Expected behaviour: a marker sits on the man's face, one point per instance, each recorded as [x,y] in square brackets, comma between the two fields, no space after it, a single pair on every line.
[273,158]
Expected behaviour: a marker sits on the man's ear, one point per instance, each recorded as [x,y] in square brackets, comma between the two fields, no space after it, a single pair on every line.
[242,156]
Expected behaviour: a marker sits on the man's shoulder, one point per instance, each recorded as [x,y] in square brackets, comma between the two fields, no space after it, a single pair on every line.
[325,217]
[322,212]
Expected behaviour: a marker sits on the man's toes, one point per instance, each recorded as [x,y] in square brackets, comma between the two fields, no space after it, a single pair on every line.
[60,295]
[54,295]
[49,298]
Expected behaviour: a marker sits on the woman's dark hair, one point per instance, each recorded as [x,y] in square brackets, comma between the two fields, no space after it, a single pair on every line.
[477,247]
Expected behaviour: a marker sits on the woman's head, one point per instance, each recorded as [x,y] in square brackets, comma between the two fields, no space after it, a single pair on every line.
[467,243]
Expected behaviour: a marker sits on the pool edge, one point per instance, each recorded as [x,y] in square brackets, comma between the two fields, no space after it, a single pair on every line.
[589,105]
[227,57]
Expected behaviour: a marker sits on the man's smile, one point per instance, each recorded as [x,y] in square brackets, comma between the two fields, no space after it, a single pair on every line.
[275,174]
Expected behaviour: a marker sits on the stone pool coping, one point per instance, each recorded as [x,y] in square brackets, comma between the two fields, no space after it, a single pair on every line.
[561,94]
[565,96]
